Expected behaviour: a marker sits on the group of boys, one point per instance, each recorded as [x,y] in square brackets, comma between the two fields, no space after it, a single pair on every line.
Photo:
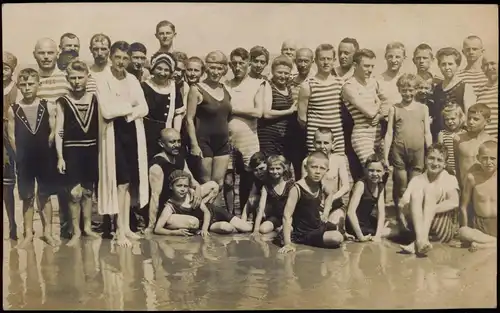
[53,124]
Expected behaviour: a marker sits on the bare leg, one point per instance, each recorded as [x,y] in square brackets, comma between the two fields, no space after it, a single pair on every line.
[209,191]
[219,168]
[126,223]
[180,221]
[241,225]
[8,200]
[266,227]
[333,238]
[74,206]
[86,205]
[28,211]
[416,207]
[428,216]
[46,206]
[474,235]
[120,236]
[206,170]
[400,178]
[229,190]
[222,228]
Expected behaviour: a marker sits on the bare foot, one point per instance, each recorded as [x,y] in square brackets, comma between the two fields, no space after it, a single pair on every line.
[90,233]
[26,241]
[122,241]
[132,236]
[148,231]
[74,240]
[49,239]
[408,248]
[473,247]
[424,248]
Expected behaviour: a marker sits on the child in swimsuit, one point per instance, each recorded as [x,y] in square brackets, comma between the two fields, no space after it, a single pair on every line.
[454,120]
[258,166]
[273,195]
[366,210]
[302,221]
[179,218]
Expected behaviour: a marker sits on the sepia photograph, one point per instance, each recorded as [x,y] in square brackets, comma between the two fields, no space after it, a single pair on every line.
[249,156]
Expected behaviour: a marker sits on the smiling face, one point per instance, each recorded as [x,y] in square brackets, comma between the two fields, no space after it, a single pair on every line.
[194,71]
[260,171]
[375,172]
[171,143]
[215,71]
[68,44]
[258,64]
[276,170]
[435,162]
[165,36]
[408,92]
[281,75]
[365,68]
[162,73]
[394,59]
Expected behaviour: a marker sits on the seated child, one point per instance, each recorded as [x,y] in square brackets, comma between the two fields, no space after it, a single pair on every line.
[454,120]
[480,188]
[430,202]
[335,183]
[273,195]
[302,221]
[179,218]
[366,210]
[258,165]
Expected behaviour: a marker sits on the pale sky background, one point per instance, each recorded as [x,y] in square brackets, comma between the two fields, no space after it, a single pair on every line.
[210,26]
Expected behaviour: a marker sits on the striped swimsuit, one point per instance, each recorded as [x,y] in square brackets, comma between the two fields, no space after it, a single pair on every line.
[448,143]
[475,79]
[324,111]
[365,138]
[53,86]
[489,95]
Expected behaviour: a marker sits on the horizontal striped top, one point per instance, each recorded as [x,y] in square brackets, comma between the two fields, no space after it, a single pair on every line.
[489,96]
[368,96]
[447,138]
[475,79]
[54,86]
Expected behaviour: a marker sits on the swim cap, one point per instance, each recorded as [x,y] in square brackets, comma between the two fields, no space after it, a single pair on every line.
[167,58]
[216,57]
[9,59]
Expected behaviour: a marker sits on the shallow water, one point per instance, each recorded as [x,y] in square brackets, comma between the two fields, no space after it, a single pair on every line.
[234,272]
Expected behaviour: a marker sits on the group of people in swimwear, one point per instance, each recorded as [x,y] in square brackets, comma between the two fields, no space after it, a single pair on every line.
[165,142]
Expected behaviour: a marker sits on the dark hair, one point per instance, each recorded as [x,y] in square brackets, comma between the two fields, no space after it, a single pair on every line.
[240,52]
[352,41]
[176,175]
[324,131]
[165,23]
[26,73]
[376,158]
[423,46]
[438,147]
[324,47]
[137,47]
[257,51]
[119,45]
[78,66]
[363,53]
[480,108]
[68,35]
[281,60]
[100,38]
[256,159]
[449,51]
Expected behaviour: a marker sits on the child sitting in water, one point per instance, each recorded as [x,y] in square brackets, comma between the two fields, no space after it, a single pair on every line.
[302,219]
[273,195]
[430,202]
[258,166]
[335,183]
[480,188]
[179,218]
[454,120]
[366,210]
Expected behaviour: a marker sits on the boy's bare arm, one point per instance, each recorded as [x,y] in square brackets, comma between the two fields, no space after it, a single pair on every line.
[291,202]
[427,127]
[11,129]
[451,202]
[52,121]
[465,199]
[59,131]
[389,135]
[456,151]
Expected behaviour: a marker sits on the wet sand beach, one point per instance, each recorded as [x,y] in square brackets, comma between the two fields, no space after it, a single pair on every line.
[235,272]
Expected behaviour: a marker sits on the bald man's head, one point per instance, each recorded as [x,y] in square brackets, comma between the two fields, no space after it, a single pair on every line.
[170,141]
[45,54]
[304,59]
[288,48]
[490,65]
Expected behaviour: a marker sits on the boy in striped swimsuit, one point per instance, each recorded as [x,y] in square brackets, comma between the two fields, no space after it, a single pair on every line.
[488,94]
[472,73]
[76,144]
[430,202]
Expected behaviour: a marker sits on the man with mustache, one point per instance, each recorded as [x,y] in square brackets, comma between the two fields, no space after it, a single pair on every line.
[170,159]
[69,42]
[347,48]
[53,84]
[138,59]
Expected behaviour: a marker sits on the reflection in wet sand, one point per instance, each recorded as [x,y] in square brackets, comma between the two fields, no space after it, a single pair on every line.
[236,272]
